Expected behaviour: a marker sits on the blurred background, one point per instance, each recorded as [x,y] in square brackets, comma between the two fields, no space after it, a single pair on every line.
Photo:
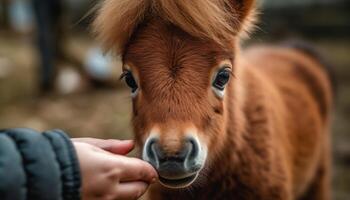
[54,75]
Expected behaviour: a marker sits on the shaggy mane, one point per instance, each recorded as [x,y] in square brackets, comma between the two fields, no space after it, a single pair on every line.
[208,19]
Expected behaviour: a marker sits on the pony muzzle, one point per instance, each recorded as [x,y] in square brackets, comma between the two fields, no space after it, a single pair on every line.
[177,168]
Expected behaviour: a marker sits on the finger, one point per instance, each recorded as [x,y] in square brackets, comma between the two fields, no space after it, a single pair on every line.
[131,190]
[133,169]
[121,147]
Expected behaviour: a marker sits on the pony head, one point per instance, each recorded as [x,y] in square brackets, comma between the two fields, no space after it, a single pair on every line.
[179,62]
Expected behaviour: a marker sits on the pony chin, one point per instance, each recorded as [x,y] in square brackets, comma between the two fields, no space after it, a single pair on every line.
[180,183]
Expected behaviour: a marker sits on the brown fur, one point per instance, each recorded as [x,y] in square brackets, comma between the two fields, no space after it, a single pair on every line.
[267,139]
[217,20]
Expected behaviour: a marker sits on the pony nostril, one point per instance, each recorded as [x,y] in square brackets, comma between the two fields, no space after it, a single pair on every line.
[155,153]
[193,149]
[158,152]
[152,152]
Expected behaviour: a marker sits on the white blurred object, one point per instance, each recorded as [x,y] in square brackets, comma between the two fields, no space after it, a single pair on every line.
[98,65]
[68,81]
[21,15]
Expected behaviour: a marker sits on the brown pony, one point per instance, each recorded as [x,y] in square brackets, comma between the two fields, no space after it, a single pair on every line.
[217,122]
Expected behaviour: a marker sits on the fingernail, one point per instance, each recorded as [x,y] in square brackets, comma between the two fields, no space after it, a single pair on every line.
[154,180]
[129,142]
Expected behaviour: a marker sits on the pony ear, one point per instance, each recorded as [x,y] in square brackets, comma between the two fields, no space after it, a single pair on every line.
[246,13]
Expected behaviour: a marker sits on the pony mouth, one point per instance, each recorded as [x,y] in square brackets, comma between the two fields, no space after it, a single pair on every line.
[178,183]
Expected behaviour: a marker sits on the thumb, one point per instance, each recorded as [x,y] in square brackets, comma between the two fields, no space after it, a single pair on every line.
[121,147]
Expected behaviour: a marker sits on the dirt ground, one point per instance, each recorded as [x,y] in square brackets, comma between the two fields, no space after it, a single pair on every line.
[105,113]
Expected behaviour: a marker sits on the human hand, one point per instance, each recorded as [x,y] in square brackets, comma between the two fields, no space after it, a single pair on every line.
[110,176]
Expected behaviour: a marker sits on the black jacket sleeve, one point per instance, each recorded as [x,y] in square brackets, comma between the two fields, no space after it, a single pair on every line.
[38,166]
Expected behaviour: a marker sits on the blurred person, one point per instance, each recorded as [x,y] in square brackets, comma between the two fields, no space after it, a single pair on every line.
[51,35]
[95,69]
[49,166]
[48,15]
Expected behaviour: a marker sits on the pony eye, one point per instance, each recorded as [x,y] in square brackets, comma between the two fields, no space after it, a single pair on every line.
[221,79]
[130,81]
